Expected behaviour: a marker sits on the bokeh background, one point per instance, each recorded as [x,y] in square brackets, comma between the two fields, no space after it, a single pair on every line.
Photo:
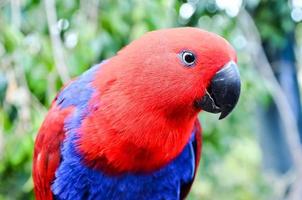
[254,154]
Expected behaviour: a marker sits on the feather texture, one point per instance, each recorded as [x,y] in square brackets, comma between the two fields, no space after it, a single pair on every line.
[127,128]
[75,180]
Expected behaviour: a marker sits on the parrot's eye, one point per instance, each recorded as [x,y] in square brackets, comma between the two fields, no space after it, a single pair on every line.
[188,58]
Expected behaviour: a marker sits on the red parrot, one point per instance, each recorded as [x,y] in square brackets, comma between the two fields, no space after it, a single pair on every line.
[127,129]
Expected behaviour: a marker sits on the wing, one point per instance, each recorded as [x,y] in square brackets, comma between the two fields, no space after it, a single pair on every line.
[197,145]
[47,154]
[47,151]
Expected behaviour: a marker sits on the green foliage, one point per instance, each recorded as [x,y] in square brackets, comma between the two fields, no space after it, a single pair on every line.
[90,32]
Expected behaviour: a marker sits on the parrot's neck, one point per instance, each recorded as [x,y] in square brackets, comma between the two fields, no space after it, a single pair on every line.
[122,134]
[132,144]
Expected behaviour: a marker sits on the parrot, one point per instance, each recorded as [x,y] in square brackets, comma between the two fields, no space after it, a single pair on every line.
[128,128]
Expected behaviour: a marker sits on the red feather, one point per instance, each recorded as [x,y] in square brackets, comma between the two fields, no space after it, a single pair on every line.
[198,148]
[185,189]
[141,114]
[47,151]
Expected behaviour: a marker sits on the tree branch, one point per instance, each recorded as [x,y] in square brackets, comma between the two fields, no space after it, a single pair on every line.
[57,47]
[16,13]
[287,116]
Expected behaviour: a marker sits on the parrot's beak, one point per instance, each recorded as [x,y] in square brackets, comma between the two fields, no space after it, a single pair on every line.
[223,92]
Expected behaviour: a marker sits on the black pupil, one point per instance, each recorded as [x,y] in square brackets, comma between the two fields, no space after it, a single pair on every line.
[189,58]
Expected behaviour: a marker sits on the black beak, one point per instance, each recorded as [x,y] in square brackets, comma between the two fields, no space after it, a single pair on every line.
[223,93]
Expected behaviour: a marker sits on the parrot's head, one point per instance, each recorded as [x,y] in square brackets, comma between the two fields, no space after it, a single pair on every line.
[180,70]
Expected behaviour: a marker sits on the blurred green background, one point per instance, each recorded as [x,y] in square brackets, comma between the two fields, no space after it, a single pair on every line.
[253,154]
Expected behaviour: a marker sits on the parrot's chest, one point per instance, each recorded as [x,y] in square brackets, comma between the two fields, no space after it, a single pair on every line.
[76,181]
